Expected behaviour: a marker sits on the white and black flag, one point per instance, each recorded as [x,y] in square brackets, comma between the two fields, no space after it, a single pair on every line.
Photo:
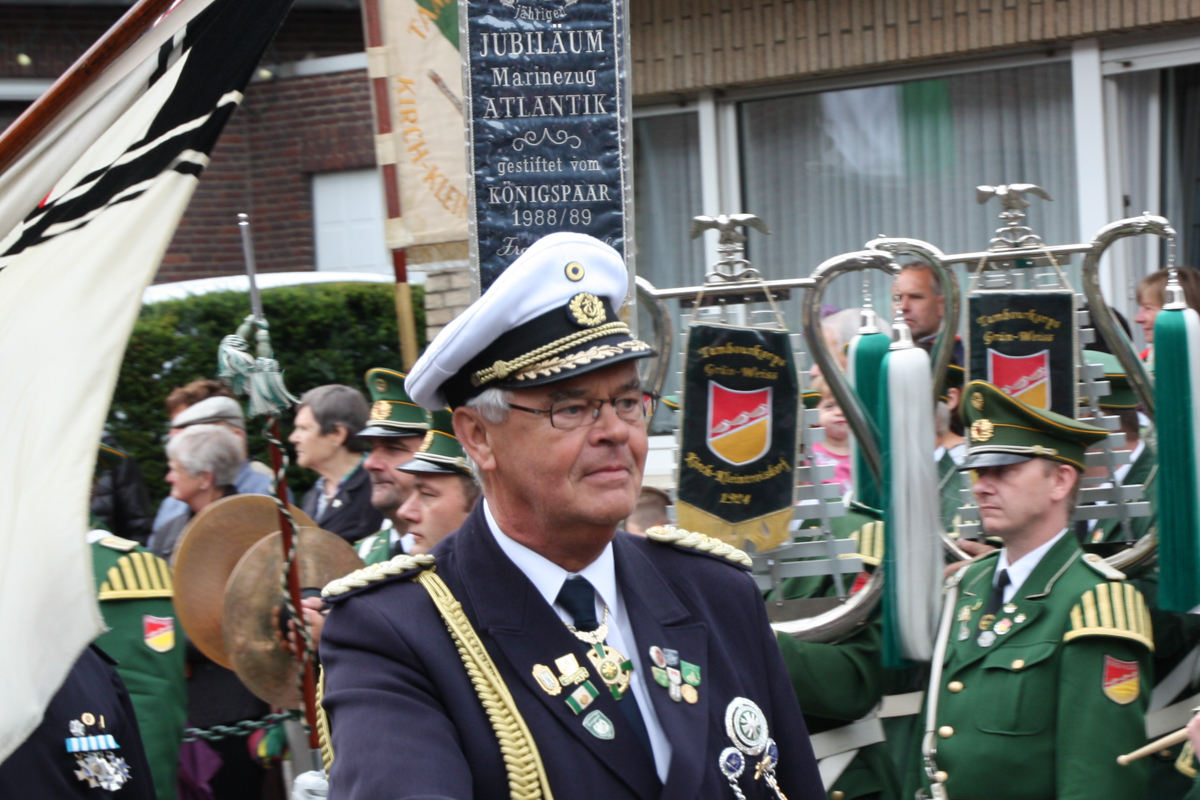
[86,215]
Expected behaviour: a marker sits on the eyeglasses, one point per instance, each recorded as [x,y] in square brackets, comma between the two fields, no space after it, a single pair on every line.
[577,412]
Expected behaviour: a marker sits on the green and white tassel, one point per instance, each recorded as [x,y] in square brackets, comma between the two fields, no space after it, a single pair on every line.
[912,561]
[863,359]
[1177,394]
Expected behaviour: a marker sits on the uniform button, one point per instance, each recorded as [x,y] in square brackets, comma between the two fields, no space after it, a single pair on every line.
[941,776]
[838,795]
[945,731]
[954,687]
[1018,664]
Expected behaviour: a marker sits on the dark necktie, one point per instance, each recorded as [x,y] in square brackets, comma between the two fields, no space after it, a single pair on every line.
[579,599]
[997,598]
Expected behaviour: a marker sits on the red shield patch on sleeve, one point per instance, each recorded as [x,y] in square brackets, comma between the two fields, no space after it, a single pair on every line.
[1122,681]
[158,632]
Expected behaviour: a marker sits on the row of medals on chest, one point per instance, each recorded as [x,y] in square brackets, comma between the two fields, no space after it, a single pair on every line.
[989,626]
[615,670]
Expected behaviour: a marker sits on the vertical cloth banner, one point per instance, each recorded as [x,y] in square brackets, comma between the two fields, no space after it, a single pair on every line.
[1024,343]
[737,451]
[419,121]
[113,178]
[548,97]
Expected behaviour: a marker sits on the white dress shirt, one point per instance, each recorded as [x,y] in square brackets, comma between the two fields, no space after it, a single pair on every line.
[548,578]
[1023,567]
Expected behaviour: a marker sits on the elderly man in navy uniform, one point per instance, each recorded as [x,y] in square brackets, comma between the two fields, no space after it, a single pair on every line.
[583,662]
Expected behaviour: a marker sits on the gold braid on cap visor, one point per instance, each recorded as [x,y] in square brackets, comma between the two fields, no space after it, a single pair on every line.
[502,369]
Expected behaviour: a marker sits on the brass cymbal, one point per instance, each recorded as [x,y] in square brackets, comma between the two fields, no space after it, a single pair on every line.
[208,550]
[252,599]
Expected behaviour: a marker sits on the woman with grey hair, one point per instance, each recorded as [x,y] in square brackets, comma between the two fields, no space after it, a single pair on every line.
[204,461]
[326,439]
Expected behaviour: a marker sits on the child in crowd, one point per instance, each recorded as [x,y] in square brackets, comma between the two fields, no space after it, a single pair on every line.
[835,450]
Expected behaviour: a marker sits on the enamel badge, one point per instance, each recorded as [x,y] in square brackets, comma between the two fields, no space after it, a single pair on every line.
[158,633]
[1122,681]
[598,725]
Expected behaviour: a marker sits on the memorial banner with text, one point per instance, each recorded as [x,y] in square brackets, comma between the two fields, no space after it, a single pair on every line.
[1023,342]
[547,88]
[737,450]
[425,142]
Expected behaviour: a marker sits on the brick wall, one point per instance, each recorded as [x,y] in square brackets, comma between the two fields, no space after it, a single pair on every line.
[447,294]
[286,130]
[688,45]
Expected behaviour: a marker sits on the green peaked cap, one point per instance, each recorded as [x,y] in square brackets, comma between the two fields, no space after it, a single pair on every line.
[1002,430]
[393,413]
[109,458]
[953,380]
[1121,397]
[811,398]
[441,451]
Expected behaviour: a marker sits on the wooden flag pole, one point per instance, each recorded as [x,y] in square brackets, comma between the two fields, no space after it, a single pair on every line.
[406,321]
[287,535]
[35,119]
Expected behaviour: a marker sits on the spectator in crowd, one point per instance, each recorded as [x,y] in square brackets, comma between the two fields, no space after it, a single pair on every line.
[121,500]
[1151,295]
[327,421]
[651,510]
[919,298]
[204,402]
[835,450]
[204,461]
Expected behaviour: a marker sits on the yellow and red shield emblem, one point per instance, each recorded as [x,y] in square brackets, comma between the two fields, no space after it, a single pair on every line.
[1122,682]
[1024,378]
[739,423]
[158,632]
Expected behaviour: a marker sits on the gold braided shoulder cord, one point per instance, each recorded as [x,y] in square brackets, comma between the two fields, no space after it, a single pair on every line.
[526,773]
[324,737]
[669,534]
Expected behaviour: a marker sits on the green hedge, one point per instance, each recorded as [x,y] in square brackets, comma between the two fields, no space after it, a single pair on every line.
[322,333]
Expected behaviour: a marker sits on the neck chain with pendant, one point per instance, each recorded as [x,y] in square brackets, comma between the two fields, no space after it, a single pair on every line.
[593,637]
[614,668]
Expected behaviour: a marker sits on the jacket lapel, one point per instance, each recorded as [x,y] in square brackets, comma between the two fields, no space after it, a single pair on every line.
[659,619]
[1028,601]
[515,619]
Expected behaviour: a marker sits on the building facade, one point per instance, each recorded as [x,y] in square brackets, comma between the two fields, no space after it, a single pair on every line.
[834,120]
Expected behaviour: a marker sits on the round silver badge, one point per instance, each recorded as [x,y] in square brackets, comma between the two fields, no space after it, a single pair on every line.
[746,726]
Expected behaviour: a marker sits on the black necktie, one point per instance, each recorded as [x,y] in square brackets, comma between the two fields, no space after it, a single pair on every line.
[579,599]
[997,598]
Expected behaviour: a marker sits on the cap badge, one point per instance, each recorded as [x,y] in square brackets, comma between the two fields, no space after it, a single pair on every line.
[587,310]
[977,401]
[382,409]
[982,430]
[381,385]
[574,271]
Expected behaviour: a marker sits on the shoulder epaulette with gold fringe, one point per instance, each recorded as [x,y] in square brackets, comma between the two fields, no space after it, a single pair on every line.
[377,572]
[1112,609]
[669,534]
[137,576]
[869,539]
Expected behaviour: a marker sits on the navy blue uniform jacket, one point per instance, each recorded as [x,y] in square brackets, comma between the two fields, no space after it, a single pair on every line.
[407,723]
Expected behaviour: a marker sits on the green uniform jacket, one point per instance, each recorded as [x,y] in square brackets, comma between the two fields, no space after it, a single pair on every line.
[841,682]
[135,590]
[376,548]
[1143,471]
[1043,713]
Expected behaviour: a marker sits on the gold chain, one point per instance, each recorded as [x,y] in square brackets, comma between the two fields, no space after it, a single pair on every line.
[502,369]
[593,637]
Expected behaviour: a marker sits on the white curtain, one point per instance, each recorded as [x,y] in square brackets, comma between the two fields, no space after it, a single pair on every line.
[830,171]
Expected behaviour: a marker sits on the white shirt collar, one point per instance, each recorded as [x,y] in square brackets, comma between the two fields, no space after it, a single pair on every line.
[549,577]
[1024,566]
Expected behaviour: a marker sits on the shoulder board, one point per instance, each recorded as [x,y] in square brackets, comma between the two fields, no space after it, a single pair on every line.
[400,565]
[669,534]
[1105,569]
[869,539]
[1112,609]
[117,543]
[137,575]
